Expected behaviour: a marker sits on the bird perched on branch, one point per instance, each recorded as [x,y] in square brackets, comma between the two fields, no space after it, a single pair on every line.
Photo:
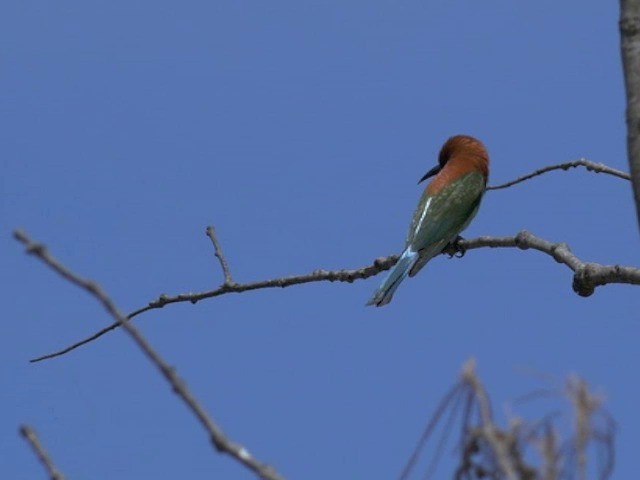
[447,206]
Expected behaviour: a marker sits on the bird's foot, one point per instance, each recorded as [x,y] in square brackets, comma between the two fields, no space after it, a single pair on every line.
[455,249]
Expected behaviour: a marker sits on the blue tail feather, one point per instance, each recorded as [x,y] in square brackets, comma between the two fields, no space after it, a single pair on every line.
[385,292]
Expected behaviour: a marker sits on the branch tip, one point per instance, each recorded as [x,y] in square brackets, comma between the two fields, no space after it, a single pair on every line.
[32,439]
[217,251]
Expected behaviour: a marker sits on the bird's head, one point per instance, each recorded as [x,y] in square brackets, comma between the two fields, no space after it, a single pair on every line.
[464,148]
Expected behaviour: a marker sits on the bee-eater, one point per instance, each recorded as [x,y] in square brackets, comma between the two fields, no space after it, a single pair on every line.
[447,206]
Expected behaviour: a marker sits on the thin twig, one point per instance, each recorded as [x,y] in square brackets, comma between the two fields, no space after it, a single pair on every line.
[217,249]
[488,427]
[444,404]
[584,405]
[31,437]
[218,438]
[587,276]
[588,164]
[447,428]
[548,450]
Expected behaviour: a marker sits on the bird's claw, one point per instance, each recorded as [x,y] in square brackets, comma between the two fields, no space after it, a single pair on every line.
[455,249]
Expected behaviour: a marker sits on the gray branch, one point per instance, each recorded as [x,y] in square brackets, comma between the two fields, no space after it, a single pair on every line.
[630,49]
[489,430]
[587,276]
[31,437]
[218,438]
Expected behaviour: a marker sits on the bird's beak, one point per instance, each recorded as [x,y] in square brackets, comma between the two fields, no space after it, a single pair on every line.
[434,171]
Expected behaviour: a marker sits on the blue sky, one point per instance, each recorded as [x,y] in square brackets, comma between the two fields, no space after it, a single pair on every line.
[300,130]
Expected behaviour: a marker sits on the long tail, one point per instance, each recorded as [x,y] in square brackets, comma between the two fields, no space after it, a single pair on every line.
[385,292]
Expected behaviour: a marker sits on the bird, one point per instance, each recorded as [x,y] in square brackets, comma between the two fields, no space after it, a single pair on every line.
[447,206]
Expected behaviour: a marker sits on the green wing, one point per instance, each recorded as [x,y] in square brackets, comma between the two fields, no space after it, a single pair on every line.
[441,217]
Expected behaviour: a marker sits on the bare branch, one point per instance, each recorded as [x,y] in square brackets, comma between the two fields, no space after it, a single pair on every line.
[486,451]
[489,451]
[218,438]
[444,404]
[584,404]
[349,276]
[489,430]
[589,165]
[549,453]
[630,49]
[380,264]
[30,436]
[211,233]
[587,276]
[586,408]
